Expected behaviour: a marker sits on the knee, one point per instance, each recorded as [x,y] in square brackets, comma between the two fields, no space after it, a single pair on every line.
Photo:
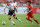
[26,16]
[34,19]
[9,17]
[14,17]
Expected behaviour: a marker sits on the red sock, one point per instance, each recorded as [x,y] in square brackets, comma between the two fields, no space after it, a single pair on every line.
[37,21]
[29,19]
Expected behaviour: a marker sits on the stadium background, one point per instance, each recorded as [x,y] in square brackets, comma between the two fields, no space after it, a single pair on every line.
[22,5]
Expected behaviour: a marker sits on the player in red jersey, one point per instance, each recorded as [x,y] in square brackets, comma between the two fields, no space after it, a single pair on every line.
[30,13]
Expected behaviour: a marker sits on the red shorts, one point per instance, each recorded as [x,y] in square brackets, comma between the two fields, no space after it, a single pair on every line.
[30,15]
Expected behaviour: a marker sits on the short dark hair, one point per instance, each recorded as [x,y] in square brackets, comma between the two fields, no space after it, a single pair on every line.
[29,1]
[7,2]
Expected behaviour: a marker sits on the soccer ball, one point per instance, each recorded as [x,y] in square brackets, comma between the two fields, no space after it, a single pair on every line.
[3,23]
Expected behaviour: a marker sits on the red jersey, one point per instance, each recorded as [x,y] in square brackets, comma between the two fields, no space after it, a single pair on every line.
[29,14]
[29,7]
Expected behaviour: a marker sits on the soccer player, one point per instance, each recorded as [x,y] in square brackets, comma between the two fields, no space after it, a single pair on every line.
[30,13]
[11,12]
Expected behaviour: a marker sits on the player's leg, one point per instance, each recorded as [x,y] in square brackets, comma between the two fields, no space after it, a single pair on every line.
[16,18]
[35,20]
[9,16]
[27,17]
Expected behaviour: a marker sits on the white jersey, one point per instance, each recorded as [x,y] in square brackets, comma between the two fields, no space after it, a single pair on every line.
[10,7]
[14,4]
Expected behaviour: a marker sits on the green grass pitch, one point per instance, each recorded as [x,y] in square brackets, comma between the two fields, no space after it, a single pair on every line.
[25,23]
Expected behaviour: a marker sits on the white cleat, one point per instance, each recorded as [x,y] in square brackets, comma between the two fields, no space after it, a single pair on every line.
[13,24]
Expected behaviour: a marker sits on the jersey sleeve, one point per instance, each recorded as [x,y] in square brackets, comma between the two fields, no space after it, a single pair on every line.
[27,7]
[31,7]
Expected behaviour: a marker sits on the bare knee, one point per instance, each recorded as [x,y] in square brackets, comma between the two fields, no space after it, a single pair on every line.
[26,16]
[9,16]
[14,17]
[34,18]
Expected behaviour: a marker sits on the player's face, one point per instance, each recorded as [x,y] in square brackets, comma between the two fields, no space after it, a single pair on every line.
[8,4]
[28,3]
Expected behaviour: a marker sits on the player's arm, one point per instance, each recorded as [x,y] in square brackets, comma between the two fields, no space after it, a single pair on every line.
[15,8]
[4,10]
[30,11]
[26,10]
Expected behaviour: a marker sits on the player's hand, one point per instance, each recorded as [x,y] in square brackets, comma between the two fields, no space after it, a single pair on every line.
[27,12]
[30,11]
[24,11]
[4,13]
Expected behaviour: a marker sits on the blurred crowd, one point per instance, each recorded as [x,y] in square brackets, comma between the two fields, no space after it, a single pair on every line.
[22,3]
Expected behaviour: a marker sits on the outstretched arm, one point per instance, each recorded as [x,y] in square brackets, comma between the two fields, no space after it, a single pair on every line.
[4,10]
[26,10]
[15,8]
[30,11]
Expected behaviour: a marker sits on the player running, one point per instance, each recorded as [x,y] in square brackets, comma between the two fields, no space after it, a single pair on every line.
[11,12]
[30,13]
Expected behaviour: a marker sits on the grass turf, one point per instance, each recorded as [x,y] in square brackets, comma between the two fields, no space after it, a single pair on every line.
[25,23]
